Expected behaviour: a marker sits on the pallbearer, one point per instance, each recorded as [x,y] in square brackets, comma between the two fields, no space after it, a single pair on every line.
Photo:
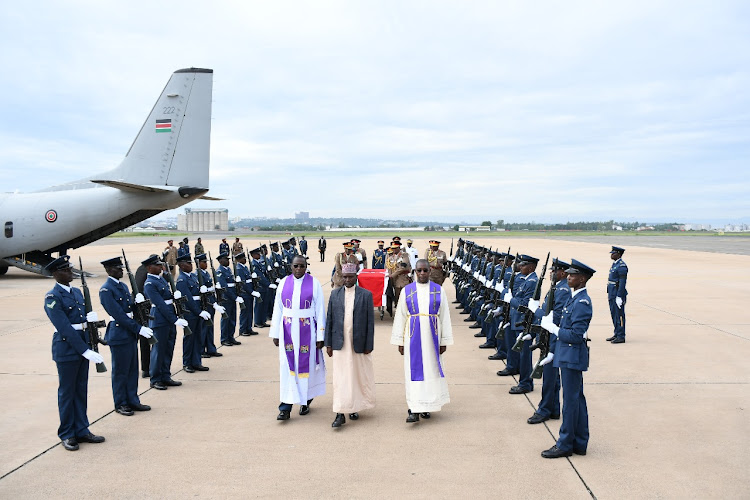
[122,338]
[70,350]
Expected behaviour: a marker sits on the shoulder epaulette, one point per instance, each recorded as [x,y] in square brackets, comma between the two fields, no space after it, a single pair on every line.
[584,301]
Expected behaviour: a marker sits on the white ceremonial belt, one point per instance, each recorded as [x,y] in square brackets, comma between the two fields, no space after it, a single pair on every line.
[297,313]
[129,315]
[230,285]
[168,301]
[611,282]
[249,280]
[196,297]
[79,326]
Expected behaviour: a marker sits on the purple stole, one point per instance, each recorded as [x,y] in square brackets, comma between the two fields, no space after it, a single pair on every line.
[415,328]
[305,325]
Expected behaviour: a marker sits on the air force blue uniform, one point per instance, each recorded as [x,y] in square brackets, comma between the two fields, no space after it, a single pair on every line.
[262,288]
[521,298]
[122,339]
[187,284]
[157,291]
[618,276]
[207,337]
[66,309]
[245,289]
[572,358]
[225,278]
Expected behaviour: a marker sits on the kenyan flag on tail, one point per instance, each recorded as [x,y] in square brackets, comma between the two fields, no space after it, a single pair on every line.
[164,125]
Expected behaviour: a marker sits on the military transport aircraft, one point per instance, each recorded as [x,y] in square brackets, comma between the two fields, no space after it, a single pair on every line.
[165,167]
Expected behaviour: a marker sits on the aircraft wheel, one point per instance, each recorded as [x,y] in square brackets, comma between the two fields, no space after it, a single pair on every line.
[3,270]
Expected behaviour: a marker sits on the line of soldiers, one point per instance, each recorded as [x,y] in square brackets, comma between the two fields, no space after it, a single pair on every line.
[160,305]
[501,293]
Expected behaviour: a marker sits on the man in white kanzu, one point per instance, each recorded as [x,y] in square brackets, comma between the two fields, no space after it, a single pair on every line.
[422,330]
[299,320]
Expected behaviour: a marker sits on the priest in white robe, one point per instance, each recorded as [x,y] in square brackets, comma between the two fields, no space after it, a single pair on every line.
[298,329]
[422,330]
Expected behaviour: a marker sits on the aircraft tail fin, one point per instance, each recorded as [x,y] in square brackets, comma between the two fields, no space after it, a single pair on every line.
[172,147]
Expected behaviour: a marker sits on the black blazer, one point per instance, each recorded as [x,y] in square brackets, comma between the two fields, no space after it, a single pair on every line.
[364,320]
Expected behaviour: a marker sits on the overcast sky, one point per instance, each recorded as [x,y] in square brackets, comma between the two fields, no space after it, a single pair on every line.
[546,111]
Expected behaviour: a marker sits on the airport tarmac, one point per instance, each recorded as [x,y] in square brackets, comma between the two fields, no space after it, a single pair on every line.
[668,410]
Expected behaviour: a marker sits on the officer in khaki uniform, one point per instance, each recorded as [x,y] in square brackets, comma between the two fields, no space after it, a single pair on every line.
[437,260]
[399,269]
[360,254]
[345,257]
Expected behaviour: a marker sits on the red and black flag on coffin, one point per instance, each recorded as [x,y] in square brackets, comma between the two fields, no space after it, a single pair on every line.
[164,125]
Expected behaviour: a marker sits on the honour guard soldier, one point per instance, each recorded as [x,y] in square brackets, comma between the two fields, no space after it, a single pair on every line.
[163,324]
[262,285]
[617,294]
[170,256]
[278,262]
[65,308]
[303,246]
[187,284]
[248,294]
[273,280]
[226,279]
[527,267]
[411,251]
[513,358]
[437,260]
[122,339]
[572,358]
[208,349]
[287,255]
[378,256]
[224,246]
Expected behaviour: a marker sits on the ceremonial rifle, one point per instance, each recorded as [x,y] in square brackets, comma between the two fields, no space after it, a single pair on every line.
[528,316]
[500,335]
[92,327]
[205,302]
[542,335]
[496,298]
[179,304]
[142,310]
[217,286]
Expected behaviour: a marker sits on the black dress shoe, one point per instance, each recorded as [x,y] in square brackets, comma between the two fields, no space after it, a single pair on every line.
[466,320]
[264,325]
[70,444]
[245,334]
[610,339]
[159,385]
[304,410]
[227,343]
[556,452]
[124,410]
[619,340]
[476,325]
[139,407]
[465,312]
[517,389]
[188,369]
[90,438]
[145,375]
[536,419]
[413,417]
[339,420]
[172,383]
[200,368]
[497,355]
[479,334]
[283,415]
[579,452]
[456,302]
[487,345]
[204,355]
[215,354]
[555,417]
[235,342]
[506,372]
[252,332]
[425,414]
[354,416]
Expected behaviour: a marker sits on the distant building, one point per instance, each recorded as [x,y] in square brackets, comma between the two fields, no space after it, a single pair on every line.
[474,228]
[302,216]
[203,220]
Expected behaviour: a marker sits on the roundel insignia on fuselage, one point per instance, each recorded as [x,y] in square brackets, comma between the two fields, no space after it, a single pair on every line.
[50,216]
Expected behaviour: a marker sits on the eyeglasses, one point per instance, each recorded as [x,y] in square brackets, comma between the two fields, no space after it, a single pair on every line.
[297,266]
[422,270]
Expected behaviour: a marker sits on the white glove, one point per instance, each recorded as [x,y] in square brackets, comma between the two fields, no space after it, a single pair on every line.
[507,297]
[255,294]
[92,317]
[504,326]
[254,276]
[359,257]
[211,289]
[482,280]
[217,286]
[278,280]
[496,312]
[139,298]
[219,309]
[533,305]
[93,356]
[518,337]
[549,325]
[499,286]
[146,332]
[181,322]
[272,285]
[239,300]
[548,359]
[237,279]
[275,264]
[268,268]
[177,294]
[476,274]
[526,337]
[204,315]
[204,289]
[618,301]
